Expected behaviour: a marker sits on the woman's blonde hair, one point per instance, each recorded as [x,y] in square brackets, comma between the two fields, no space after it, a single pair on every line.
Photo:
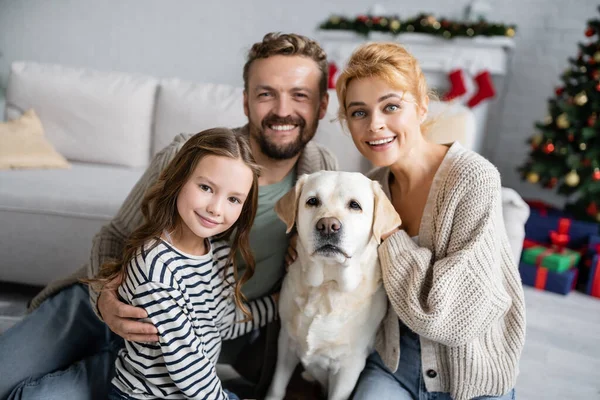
[159,208]
[390,62]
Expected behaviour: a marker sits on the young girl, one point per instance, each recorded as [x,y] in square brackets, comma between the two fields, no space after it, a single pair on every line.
[179,267]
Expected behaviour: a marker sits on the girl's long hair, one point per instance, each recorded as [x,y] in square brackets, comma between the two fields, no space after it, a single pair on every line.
[159,208]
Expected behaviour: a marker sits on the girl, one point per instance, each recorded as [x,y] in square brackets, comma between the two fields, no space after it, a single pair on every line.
[456,320]
[179,267]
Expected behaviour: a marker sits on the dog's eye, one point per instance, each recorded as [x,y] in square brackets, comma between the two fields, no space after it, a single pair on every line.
[354,205]
[313,202]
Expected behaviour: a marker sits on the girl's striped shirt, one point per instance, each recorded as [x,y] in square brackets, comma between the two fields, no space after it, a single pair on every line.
[189,299]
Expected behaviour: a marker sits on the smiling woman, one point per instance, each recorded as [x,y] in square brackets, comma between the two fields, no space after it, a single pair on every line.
[453,286]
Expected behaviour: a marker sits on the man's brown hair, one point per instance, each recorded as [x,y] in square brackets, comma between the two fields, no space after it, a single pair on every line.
[288,44]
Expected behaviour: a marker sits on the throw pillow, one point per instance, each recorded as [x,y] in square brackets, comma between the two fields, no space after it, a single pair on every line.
[23,145]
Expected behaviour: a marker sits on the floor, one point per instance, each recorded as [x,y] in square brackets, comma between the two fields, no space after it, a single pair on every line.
[561,359]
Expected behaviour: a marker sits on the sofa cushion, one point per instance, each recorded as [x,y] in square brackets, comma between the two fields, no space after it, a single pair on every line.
[85,190]
[451,122]
[90,116]
[23,145]
[187,107]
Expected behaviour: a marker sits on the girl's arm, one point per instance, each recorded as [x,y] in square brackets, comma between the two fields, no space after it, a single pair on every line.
[454,299]
[184,351]
[263,310]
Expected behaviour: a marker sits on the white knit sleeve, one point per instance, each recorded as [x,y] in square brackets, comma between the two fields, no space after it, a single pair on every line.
[453,298]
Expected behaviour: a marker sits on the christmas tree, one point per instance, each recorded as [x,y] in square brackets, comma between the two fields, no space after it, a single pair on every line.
[565,151]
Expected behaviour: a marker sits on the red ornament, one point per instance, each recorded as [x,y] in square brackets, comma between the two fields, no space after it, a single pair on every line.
[592,120]
[596,174]
[571,137]
[598,87]
[362,18]
[589,32]
[559,90]
[548,148]
[552,182]
[596,74]
[376,20]
[592,209]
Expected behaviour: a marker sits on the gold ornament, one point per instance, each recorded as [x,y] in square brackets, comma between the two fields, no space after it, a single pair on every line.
[334,19]
[581,98]
[598,217]
[572,179]
[548,120]
[395,24]
[597,56]
[383,22]
[436,25]
[533,177]
[537,139]
[582,146]
[470,32]
[510,32]
[410,28]
[562,121]
[583,69]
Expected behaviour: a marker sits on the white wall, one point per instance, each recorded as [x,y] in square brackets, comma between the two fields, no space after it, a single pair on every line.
[202,41]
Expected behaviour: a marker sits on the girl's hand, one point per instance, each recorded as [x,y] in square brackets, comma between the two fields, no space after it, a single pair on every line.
[291,254]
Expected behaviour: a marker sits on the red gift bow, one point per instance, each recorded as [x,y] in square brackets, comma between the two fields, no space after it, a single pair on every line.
[560,238]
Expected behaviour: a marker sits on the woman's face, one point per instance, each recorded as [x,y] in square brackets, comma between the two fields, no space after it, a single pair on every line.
[384,122]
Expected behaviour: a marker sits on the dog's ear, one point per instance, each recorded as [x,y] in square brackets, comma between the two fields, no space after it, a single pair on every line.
[385,217]
[287,206]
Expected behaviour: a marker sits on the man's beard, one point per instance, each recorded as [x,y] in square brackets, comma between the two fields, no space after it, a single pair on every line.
[287,151]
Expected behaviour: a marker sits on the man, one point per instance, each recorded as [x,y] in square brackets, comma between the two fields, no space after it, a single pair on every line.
[61,350]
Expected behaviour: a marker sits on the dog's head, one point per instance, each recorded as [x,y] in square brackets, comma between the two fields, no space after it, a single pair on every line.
[337,214]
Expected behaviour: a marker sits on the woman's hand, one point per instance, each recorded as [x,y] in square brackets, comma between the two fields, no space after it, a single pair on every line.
[390,233]
[121,318]
[291,254]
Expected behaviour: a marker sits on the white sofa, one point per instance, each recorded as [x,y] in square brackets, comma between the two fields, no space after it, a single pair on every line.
[108,125]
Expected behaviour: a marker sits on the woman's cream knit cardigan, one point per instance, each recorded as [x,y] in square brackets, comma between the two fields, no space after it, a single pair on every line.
[459,289]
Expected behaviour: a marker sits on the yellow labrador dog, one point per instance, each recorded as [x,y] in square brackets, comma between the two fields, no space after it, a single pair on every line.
[332,299]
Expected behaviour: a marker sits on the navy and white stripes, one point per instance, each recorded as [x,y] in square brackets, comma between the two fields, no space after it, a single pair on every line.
[190,301]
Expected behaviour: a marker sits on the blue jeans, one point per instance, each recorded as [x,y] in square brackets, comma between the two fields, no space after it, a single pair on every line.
[378,382]
[116,394]
[59,351]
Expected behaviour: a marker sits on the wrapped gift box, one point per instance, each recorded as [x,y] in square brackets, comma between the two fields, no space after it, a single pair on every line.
[593,285]
[553,259]
[543,279]
[559,230]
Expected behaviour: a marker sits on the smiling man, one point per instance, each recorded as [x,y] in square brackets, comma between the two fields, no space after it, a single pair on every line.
[285,96]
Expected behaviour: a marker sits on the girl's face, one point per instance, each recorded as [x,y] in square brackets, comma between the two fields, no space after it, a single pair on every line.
[384,122]
[212,199]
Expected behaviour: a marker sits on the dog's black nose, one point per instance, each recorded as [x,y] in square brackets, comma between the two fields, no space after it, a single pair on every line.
[329,225]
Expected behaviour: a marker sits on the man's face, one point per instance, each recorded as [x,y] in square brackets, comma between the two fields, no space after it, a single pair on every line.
[283,104]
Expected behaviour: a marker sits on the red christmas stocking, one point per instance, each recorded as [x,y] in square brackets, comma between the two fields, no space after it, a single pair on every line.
[457,85]
[332,75]
[485,89]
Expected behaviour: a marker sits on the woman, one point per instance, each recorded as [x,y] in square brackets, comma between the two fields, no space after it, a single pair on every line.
[456,320]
